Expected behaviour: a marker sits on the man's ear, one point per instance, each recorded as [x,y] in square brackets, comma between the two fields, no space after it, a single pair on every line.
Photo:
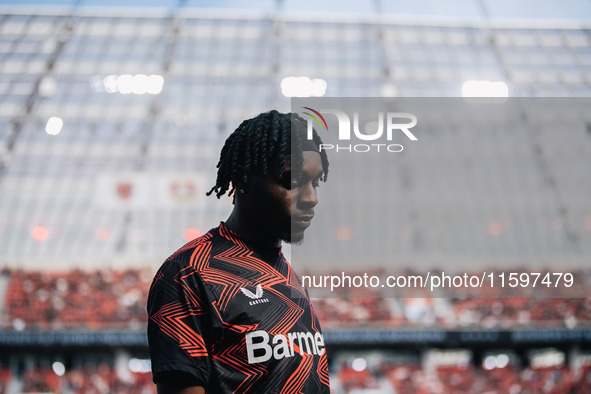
[240,188]
[239,192]
[239,185]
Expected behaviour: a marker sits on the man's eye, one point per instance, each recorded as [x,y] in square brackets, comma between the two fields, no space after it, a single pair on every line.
[289,183]
[294,183]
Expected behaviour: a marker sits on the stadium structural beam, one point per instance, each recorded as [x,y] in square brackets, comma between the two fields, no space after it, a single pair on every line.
[30,103]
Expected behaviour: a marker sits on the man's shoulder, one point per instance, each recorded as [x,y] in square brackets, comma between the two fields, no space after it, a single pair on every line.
[197,252]
[186,253]
[183,261]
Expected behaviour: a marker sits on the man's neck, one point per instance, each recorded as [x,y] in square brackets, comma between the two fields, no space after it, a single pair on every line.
[247,228]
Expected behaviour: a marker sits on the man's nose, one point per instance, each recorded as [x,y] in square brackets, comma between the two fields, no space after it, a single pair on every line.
[308,195]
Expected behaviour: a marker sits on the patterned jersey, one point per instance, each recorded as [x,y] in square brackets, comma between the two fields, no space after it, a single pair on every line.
[236,318]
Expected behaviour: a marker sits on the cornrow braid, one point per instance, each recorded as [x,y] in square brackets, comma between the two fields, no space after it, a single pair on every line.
[259,145]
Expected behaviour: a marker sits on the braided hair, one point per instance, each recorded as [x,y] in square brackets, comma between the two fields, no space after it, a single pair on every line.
[259,145]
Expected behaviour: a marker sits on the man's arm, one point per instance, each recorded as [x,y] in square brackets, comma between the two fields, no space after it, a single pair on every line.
[178,383]
[179,373]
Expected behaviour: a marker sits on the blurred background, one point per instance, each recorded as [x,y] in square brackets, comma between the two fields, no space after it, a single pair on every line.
[112,115]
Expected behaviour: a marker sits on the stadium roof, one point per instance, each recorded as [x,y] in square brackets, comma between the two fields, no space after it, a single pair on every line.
[488,9]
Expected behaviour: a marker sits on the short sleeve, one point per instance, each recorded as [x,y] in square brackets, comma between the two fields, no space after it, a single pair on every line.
[179,325]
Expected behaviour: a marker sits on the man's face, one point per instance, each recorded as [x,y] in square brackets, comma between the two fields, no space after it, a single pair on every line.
[285,206]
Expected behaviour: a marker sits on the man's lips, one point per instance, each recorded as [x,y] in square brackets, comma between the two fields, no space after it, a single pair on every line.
[303,220]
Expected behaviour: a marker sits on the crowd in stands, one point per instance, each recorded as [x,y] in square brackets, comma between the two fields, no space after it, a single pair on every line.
[40,380]
[413,379]
[5,377]
[103,378]
[402,378]
[487,313]
[77,299]
[94,379]
[102,299]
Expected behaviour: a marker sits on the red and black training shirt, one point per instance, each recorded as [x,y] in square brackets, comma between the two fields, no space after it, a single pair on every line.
[235,317]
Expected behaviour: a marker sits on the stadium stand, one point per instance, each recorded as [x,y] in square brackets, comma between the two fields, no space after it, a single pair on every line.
[116,299]
[80,238]
[78,299]
[413,378]
[87,379]
[5,378]
[402,378]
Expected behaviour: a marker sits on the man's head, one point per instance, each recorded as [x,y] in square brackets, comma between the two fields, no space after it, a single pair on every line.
[272,171]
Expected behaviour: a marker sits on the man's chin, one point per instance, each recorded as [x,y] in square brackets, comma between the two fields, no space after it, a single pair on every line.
[295,238]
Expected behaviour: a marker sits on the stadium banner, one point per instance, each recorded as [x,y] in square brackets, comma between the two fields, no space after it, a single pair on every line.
[146,191]
[448,197]
[334,337]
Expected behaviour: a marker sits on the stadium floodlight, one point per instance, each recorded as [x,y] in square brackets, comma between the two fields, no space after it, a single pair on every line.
[495,361]
[475,88]
[303,87]
[54,125]
[58,368]
[125,84]
[489,363]
[47,87]
[359,364]
[547,358]
[110,84]
[140,84]
[154,84]
[502,361]
[130,84]
[137,365]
